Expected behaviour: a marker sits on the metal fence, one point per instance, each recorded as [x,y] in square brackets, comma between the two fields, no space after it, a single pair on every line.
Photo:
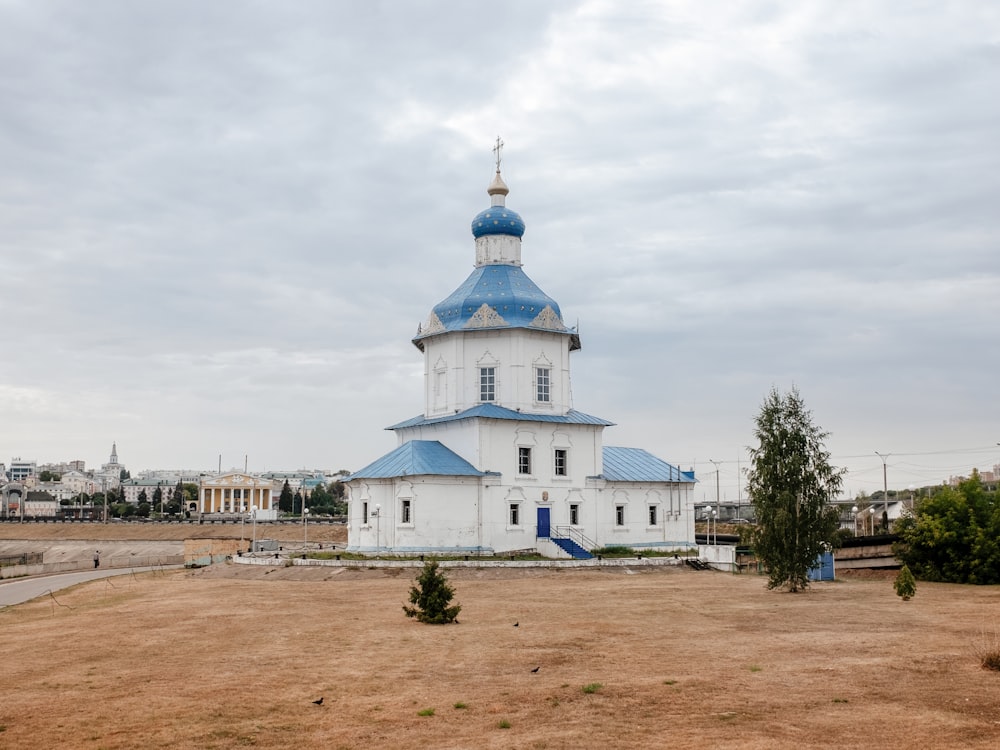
[28,558]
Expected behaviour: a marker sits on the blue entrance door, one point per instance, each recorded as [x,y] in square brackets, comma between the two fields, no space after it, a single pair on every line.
[543,523]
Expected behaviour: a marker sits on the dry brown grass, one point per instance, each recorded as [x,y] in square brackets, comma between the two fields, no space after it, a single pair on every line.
[230,656]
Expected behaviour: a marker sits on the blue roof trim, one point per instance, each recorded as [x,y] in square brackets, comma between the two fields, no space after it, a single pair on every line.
[504,288]
[638,465]
[492,411]
[418,458]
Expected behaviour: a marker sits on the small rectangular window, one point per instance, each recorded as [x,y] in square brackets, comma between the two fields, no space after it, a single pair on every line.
[404,511]
[364,513]
[524,460]
[560,462]
[652,515]
[487,384]
[574,515]
[542,386]
[619,515]
[515,514]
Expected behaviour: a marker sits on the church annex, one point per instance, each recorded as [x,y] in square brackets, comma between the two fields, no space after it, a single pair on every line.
[499,461]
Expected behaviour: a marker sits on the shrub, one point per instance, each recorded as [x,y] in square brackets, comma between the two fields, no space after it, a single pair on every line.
[592,687]
[426,712]
[432,595]
[987,651]
[503,724]
[904,584]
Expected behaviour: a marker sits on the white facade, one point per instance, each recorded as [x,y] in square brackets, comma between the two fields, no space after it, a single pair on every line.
[499,458]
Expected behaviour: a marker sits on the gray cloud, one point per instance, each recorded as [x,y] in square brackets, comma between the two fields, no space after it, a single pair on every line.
[221,223]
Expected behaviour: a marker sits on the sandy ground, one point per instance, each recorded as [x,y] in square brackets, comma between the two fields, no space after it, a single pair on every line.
[317,532]
[231,656]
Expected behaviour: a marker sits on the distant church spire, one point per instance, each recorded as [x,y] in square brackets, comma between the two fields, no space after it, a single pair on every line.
[114,453]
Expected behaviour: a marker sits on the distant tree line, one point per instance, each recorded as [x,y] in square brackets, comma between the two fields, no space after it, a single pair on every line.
[953,535]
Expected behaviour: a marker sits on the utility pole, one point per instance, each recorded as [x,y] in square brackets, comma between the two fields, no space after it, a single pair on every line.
[885,488]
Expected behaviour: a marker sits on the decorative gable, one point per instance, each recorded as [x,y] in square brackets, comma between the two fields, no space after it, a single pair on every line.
[486,317]
[548,319]
[433,325]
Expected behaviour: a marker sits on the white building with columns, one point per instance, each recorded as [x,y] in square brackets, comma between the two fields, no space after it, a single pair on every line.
[499,460]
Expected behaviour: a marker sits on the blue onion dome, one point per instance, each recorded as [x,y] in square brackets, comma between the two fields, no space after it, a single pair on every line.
[497,220]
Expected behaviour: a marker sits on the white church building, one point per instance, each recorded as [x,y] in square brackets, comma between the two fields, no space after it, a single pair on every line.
[500,461]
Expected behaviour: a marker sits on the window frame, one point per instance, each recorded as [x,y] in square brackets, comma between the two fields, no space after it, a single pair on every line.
[560,462]
[523,460]
[574,514]
[543,385]
[514,514]
[654,515]
[620,515]
[406,511]
[488,384]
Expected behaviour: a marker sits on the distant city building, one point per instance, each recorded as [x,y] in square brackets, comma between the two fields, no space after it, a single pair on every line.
[109,476]
[237,492]
[63,467]
[21,471]
[133,488]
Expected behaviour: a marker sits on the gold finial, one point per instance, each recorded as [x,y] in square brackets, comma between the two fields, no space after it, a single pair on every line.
[496,150]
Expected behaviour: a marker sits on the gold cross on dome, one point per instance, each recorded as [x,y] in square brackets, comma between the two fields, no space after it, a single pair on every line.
[496,150]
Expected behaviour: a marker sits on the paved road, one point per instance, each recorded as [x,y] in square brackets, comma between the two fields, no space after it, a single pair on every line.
[20,590]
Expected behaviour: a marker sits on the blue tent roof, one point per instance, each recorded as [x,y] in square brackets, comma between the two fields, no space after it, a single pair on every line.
[638,465]
[492,411]
[415,458]
[514,301]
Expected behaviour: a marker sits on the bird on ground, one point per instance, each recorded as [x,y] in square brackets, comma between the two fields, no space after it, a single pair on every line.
[536,669]
[319,702]
[516,624]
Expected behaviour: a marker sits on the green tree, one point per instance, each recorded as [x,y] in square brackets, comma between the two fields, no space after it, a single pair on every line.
[432,595]
[48,476]
[320,497]
[285,499]
[791,484]
[953,535]
[123,475]
[904,584]
[158,499]
[297,503]
[190,495]
[143,497]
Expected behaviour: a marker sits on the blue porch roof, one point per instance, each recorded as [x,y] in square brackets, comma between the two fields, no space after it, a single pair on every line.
[416,458]
[638,465]
[492,411]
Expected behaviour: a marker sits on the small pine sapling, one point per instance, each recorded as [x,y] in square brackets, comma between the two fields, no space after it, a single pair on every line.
[432,596]
[905,584]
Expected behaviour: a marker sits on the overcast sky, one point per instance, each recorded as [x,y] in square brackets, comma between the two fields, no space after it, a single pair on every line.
[220,223]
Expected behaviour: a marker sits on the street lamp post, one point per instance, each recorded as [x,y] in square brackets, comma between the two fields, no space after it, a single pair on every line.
[378,528]
[871,515]
[253,516]
[885,488]
[718,506]
[305,528]
[715,537]
[854,512]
